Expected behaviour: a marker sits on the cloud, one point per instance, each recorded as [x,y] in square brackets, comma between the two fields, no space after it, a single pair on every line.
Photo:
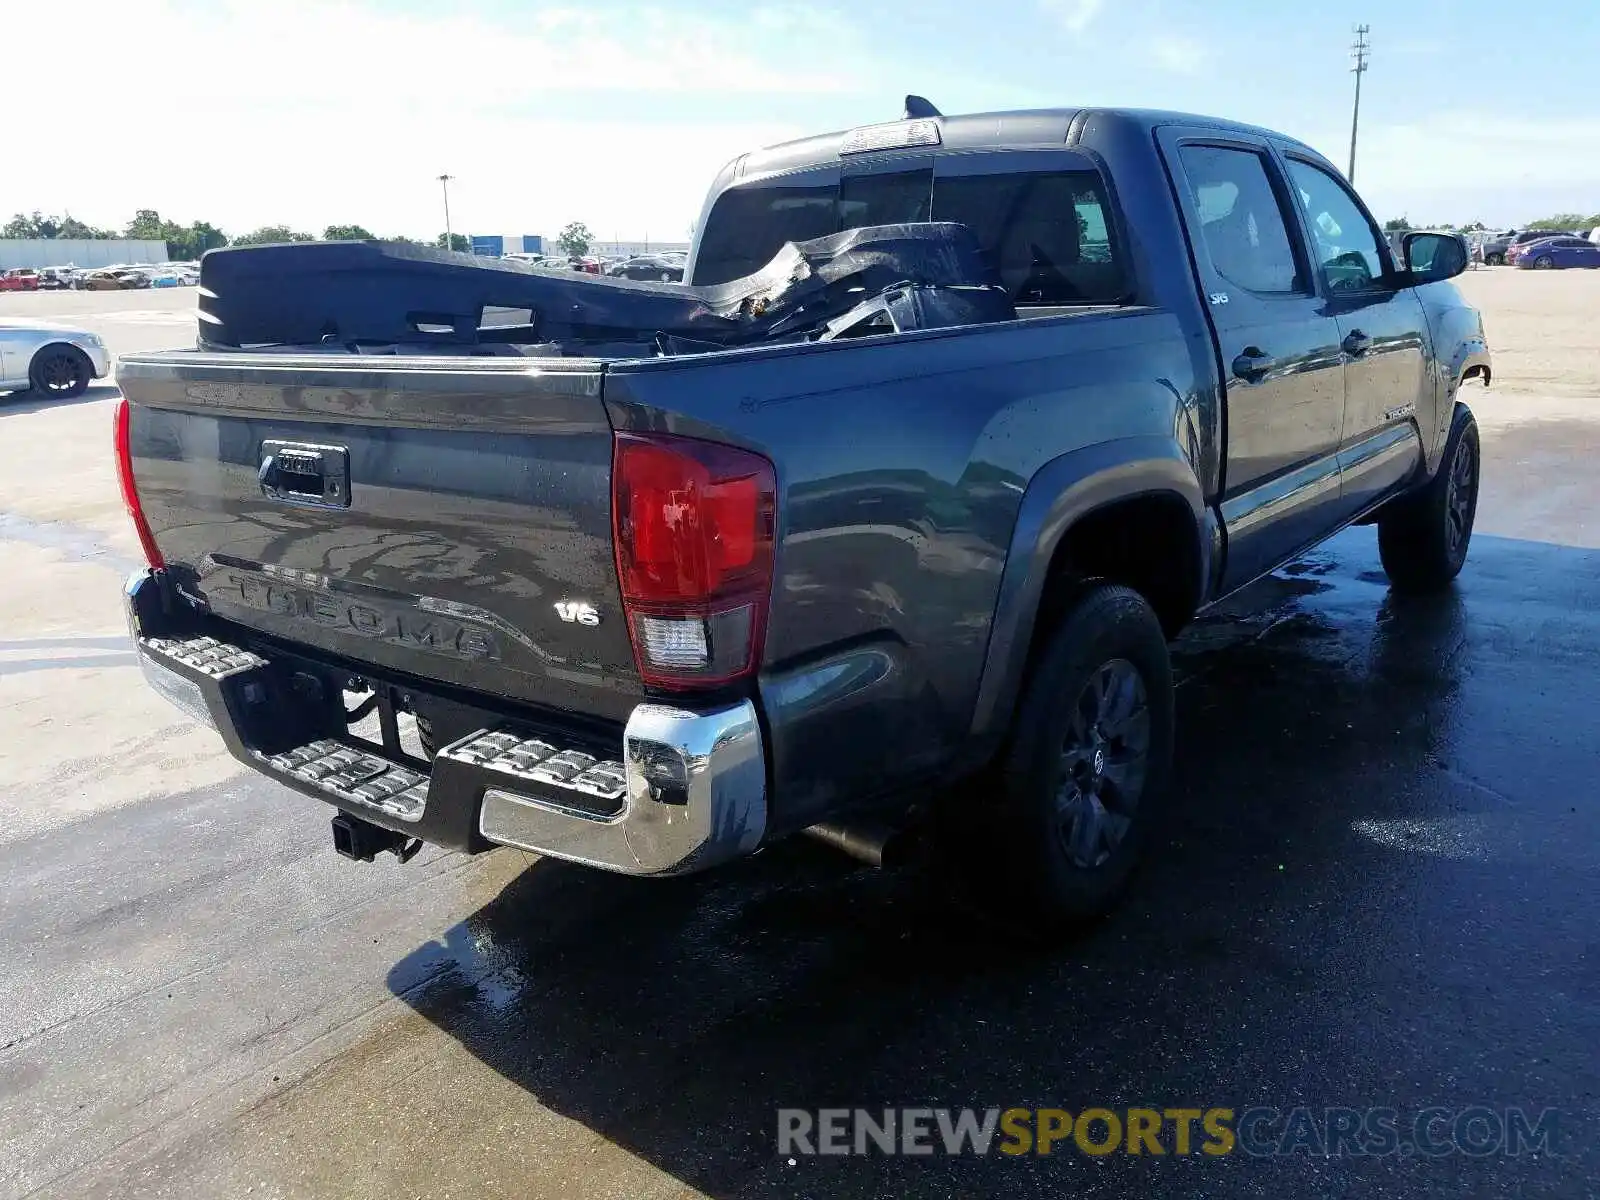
[315,111]
[1074,15]
[1414,166]
[1180,53]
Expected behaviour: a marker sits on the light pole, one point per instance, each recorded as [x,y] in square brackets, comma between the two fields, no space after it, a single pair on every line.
[444,183]
[1358,51]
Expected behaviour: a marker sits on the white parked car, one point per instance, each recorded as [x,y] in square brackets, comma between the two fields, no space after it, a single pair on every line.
[54,360]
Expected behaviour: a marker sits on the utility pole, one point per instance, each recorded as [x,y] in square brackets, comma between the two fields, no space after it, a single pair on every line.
[449,239]
[1358,51]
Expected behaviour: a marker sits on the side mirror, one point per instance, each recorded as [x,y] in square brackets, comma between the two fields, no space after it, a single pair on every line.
[1430,257]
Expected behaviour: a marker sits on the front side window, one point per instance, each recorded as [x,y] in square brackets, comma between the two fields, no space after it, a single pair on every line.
[1347,247]
[1242,224]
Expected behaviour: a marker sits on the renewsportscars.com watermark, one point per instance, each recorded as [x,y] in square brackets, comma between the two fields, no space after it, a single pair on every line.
[1478,1131]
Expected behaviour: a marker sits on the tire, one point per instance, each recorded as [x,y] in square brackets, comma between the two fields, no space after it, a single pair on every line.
[1082,782]
[60,372]
[1423,541]
[1543,263]
[666,277]
[1496,260]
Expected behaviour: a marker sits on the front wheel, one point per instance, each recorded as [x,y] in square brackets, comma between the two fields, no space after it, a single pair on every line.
[1423,540]
[1543,263]
[60,372]
[1081,785]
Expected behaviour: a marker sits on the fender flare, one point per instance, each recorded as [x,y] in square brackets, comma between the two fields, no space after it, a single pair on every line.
[1061,493]
[1469,357]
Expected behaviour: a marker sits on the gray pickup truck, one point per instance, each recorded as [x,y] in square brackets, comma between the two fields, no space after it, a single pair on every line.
[955,422]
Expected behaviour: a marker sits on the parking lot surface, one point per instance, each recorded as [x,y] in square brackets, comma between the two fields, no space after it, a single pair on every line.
[1380,891]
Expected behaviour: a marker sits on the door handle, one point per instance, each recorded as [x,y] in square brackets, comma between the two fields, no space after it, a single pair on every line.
[1252,365]
[1356,343]
[292,473]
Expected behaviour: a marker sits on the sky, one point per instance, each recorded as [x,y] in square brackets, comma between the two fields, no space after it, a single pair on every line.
[618,114]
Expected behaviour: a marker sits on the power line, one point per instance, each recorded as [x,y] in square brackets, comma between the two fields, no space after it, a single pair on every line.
[1359,50]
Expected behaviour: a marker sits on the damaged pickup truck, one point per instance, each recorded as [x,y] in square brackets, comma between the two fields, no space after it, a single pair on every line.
[893,505]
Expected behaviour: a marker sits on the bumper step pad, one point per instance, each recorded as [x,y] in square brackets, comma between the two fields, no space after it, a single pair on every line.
[503,753]
[354,776]
[210,657]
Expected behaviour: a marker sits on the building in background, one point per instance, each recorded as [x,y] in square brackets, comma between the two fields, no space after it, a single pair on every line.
[494,245]
[626,249]
[73,252]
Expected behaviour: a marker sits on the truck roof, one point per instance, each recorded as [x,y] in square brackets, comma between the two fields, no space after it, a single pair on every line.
[1017,129]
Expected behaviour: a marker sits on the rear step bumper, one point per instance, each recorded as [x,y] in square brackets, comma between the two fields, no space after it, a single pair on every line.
[688,790]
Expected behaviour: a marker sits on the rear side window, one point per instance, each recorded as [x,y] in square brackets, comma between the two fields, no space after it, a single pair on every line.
[1048,235]
[1242,223]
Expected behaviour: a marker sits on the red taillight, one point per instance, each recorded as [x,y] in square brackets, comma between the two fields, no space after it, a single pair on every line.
[130,492]
[693,523]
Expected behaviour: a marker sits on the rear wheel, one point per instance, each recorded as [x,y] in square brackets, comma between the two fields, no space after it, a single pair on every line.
[1544,262]
[1496,260]
[1423,540]
[1081,785]
[60,372]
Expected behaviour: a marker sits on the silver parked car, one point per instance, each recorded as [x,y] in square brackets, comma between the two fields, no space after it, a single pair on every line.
[54,360]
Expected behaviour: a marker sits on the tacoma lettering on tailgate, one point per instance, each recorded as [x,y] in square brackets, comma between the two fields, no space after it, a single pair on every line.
[401,624]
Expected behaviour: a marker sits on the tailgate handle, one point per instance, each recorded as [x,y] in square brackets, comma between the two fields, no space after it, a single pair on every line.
[294,473]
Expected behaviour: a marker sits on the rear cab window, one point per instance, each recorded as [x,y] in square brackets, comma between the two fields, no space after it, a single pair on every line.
[1043,219]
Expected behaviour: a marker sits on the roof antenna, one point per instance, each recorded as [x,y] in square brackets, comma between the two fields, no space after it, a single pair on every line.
[918,106]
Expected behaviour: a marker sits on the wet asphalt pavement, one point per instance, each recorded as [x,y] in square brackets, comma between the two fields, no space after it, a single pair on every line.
[1380,890]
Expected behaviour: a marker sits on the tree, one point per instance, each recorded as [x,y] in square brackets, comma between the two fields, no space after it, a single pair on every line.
[146,225]
[1566,221]
[575,239]
[40,226]
[269,234]
[71,227]
[200,237]
[456,241]
[1396,225]
[36,226]
[346,233]
[183,242]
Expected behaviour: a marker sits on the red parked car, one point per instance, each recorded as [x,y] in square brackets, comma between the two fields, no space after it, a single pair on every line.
[20,279]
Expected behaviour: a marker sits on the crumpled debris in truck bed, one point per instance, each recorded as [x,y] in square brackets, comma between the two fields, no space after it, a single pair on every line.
[397,298]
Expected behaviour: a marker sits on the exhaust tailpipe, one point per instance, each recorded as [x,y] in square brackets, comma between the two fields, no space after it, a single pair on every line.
[875,843]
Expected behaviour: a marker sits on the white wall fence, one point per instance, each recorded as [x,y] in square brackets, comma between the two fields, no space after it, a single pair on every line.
[62,252]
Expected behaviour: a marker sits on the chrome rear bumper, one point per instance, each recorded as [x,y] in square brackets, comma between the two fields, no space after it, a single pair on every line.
[696,796]
[688,791]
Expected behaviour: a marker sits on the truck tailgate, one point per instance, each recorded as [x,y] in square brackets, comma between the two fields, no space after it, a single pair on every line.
[445,517]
